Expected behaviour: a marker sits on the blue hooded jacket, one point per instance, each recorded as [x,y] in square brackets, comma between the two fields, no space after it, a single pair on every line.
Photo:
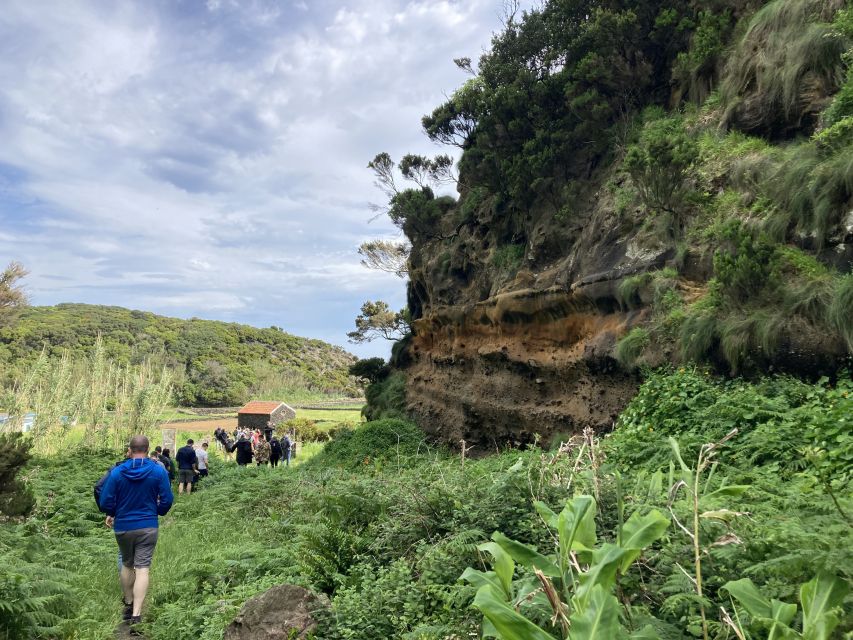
[136,492]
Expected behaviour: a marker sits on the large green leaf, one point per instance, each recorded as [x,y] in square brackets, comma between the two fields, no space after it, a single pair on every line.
[820,598]
[576,525]
[750,598]
[733,490]
[503,565]
[507,622]
[598,619]
[481,578]
[602,573]
[687,474]
[639,532]
[546,513]
[646,633]
[782,614]
[774,615]
[527,555]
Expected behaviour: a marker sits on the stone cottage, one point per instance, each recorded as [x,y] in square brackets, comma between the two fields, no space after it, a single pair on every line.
[256,414]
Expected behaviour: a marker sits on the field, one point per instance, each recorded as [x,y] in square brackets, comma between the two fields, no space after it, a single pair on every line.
[386,524]
[324,417]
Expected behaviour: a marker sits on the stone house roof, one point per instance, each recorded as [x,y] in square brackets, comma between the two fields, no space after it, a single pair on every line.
[259,407]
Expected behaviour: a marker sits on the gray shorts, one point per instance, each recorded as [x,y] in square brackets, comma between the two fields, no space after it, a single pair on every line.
[137,546]
[185,476]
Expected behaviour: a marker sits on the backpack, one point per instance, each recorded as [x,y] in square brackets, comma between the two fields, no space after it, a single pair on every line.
[99,485]
[275,448]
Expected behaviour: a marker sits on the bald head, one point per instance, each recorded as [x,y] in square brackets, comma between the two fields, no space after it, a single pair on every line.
[138,444]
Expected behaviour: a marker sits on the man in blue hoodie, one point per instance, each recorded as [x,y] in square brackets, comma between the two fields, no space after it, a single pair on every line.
[135,493]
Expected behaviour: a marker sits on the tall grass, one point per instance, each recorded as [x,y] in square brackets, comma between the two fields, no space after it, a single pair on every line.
[110,401]
[787,61]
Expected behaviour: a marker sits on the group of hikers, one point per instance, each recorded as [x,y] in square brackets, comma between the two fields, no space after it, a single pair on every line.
[191,464]
[135,491]
[259,445]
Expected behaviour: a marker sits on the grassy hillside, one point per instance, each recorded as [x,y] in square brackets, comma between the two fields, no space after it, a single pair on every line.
[215,363]
[386,526]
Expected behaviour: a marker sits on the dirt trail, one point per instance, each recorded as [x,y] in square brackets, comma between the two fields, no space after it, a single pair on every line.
[202,425]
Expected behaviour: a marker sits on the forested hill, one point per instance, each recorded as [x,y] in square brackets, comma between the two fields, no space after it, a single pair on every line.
[215,363]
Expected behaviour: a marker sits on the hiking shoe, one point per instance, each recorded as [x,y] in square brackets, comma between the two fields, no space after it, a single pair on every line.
[127,612]
[134,622]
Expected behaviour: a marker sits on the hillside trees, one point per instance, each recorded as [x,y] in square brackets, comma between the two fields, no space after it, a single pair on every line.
[12,294]
[253,359]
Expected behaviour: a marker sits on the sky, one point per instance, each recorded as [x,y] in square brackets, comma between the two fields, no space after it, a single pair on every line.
[208,159]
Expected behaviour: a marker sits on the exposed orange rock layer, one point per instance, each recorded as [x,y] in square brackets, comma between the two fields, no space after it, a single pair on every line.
[518,366]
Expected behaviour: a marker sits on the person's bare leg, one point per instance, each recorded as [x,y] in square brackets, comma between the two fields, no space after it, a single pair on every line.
[127,578]
[140,588]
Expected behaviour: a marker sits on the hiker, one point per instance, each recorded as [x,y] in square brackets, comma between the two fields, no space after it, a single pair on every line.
[156,459]
[286,448]
[244,451]
[135,493]
[262,452]
[201,455]
[268,431]
[275,451]
[166,459]
[98,489]
[187,466]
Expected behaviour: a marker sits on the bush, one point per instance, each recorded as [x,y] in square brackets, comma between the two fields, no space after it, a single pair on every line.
[508,258]
[369,370]
[306,430]
[16,499]
[659,163]
[386,398]
[374,443]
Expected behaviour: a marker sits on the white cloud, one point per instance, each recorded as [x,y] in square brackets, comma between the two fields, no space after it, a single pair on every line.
[209,160]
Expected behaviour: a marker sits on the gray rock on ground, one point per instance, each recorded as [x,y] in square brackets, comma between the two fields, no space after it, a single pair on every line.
[276,614]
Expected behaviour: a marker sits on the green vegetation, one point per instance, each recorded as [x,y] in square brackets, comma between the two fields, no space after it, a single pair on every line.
[386,526]
[745,164]
[213,363]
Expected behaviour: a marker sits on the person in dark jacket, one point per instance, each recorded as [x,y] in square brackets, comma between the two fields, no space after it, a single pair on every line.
[244,451]
[166,459]
[275,451]
[134,495]
[287,448]
[187,466]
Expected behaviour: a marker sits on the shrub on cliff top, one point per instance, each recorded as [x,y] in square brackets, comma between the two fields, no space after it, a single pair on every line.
[376,442]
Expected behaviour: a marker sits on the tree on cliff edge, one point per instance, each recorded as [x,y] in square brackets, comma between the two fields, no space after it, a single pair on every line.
[376,320]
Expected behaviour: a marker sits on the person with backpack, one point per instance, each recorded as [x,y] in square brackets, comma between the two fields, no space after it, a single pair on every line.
[134,495]
[244,451]
[187,466]
[275,451]
[166,459]
[262,452]
[286,448]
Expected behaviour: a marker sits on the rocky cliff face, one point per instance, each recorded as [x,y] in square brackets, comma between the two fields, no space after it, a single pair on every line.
[612,205]
[498,357]
[513,353]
